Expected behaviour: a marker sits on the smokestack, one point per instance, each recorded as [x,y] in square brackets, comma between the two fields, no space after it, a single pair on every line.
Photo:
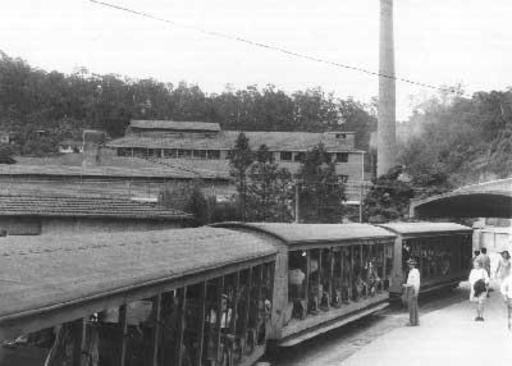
[386,139]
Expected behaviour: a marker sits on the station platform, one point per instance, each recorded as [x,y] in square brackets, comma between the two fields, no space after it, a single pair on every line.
[449,336]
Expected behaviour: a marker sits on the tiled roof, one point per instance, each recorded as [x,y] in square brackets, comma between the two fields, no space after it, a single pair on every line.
[423,227]
[175,125]
[225,140]
[315,233]
[152,171]
[39,272]
[66,206]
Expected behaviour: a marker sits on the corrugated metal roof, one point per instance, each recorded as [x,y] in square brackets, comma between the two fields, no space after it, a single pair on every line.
[423,227]
[225,140]
[67,206]
[175,125]
[37,272]
[310,233]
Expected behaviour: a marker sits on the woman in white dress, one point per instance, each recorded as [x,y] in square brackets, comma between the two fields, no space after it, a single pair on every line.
[504,266]
[478,281]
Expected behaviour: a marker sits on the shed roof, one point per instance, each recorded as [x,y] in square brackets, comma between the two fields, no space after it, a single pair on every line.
[91,207]
[43,272]
[225,140]
[152,171]
[424,227]
[315,233]
[175,125]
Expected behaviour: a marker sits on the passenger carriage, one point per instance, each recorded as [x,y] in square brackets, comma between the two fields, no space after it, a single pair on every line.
[442,250]
[326,275]
[182,297]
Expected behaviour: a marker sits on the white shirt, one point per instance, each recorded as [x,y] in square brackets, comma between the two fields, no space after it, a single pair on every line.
[413,279]
[506,287]
[478,274]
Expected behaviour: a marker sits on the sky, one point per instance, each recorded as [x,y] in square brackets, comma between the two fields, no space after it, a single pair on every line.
[439,42]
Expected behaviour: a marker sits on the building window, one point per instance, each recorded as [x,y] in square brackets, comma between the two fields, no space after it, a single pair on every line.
[299,156]
[343,178]
[170,153]
[342,157]
[124,152]
[155,153]
[199,154]
[184,153]
[140,152]
[214,154]
[286,155]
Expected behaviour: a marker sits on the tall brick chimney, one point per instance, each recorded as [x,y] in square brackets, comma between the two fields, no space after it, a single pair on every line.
[386,138]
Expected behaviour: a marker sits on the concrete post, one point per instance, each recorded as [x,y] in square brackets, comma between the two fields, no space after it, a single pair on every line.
[386,145]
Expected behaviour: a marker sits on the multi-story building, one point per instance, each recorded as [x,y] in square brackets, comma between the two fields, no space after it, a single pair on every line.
[206,146]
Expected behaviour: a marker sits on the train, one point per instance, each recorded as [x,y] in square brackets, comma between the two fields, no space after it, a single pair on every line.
[214,295]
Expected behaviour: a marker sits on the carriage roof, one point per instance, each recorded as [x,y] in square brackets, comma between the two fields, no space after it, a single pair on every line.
[296,234]
[47,272]
[424,228]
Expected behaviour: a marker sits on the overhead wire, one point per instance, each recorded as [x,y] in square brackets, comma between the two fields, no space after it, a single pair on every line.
[267,46]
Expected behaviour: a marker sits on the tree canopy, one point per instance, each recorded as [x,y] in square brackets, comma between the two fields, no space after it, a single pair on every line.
[459,140]
[321,192]
[63,105]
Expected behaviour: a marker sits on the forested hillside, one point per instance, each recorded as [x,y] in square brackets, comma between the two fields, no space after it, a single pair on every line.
[460,140]
[452,140]
[32,99]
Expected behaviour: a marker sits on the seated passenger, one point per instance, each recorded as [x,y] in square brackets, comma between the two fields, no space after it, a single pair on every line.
[358,288]
[295,284]
[315,296]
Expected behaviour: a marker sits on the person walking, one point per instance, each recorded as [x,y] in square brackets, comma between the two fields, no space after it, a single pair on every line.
[478,281]
[476,253]
[506,290]
[485,260]
[412,288]
[504,266]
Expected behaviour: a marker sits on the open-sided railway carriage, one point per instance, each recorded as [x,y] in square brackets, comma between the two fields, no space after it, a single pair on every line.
[182,297]
[326,275]
[442,250]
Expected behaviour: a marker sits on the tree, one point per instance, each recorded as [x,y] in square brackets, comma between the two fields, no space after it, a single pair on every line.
[6,153]
[388,198]
[322,192]
[240,159]
[190,199]
[269,191]
[462,140]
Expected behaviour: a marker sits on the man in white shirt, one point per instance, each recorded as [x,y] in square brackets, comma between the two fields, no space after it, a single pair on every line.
[506,290]
[413,289]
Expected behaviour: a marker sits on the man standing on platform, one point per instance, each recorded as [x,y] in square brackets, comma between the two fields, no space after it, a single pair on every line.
[412,288]
[506,290]
[485,260]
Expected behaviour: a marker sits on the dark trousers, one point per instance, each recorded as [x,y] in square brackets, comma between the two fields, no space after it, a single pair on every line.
[412,304]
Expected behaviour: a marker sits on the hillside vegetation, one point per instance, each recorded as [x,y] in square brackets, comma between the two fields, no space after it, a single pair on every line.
[63,105]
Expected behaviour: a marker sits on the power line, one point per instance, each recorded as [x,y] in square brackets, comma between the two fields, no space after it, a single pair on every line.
[272,47]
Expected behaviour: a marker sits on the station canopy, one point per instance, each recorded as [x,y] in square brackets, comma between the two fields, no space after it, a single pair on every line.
[487,199]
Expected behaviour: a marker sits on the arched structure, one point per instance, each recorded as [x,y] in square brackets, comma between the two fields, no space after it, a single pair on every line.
[465,203]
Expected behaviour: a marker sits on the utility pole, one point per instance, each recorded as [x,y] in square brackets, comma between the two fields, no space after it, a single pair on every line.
[361,190]
[296,201]
[386,136]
